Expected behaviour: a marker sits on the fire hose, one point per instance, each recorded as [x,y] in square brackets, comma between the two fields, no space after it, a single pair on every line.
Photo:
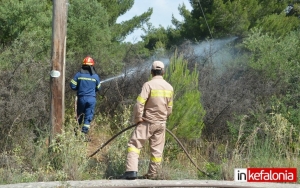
[134,125]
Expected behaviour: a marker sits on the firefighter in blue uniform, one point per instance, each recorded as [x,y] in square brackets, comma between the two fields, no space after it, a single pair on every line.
[86,82]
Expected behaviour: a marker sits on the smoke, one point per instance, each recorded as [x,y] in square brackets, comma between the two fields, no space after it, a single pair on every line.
[211,46]
[141,69]
[214,51]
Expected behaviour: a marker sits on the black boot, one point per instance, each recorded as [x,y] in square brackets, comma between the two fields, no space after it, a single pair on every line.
[129,175]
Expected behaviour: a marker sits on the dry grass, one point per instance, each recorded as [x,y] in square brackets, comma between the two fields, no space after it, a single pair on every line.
[68,159]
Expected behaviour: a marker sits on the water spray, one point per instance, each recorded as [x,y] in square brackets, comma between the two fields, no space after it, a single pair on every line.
[131,71]
[206,48]
[110,79]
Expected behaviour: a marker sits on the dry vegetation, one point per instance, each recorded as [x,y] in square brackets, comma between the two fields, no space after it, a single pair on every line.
[231,96]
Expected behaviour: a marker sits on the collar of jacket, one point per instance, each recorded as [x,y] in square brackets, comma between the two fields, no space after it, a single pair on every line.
[90,71]
[158,77]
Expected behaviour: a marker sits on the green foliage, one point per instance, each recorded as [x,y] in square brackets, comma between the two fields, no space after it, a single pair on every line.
[272,131]
[92,30]
[116,156]
[266,137]
[64,159]
[296,10]
[212,169]
[26,29]
[215,19]
[273,142]
[160,37]
[276,135]
[275,57]
[198,25]
[270,135]
[269,7]
[117,8]
[232,16]
[278,59]
[68,153]
[24,65]
[186,120]
[155,37]
[220,18]
[278,25]
[17,16]
[88,29]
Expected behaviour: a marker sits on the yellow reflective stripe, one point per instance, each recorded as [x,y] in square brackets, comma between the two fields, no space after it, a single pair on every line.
[156,159]
[85,125]
[99,86]
[141,100]
[170,103]
[133,149]
[89,79]
[74,82]
[161,93]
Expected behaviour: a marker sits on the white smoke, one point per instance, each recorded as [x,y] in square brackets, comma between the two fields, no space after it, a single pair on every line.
[213,51]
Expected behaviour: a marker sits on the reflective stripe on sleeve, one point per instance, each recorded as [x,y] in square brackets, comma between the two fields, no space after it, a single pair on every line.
[156,159]
[161,93]
[98,86]
[133,149]
[74,82]
[170,103]
[141,100]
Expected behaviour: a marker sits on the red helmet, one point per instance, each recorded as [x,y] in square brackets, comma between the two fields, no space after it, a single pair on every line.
[88,61]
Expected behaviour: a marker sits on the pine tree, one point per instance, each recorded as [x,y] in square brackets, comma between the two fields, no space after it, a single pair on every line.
[186,121]
[115,9]
[220,18]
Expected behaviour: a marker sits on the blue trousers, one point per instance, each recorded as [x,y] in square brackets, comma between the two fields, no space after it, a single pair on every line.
[85,111]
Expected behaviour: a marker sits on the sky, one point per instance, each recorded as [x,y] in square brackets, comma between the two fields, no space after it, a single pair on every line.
[162,14]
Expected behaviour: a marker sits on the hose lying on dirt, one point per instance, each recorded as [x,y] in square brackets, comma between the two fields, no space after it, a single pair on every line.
[134,125]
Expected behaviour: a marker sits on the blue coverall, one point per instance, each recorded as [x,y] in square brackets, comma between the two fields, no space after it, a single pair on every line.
[86,85]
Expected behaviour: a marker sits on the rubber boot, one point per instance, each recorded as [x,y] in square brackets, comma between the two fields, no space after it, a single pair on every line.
[129,175]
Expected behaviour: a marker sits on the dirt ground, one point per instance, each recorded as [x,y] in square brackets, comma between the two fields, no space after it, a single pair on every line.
[147,183]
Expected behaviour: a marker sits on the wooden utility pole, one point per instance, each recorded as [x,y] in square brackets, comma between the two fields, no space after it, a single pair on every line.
[57,79]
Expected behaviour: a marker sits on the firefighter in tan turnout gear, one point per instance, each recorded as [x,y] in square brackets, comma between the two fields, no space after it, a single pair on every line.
[153,106]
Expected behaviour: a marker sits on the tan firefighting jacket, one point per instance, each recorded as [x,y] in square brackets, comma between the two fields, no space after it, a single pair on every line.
[155,101]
